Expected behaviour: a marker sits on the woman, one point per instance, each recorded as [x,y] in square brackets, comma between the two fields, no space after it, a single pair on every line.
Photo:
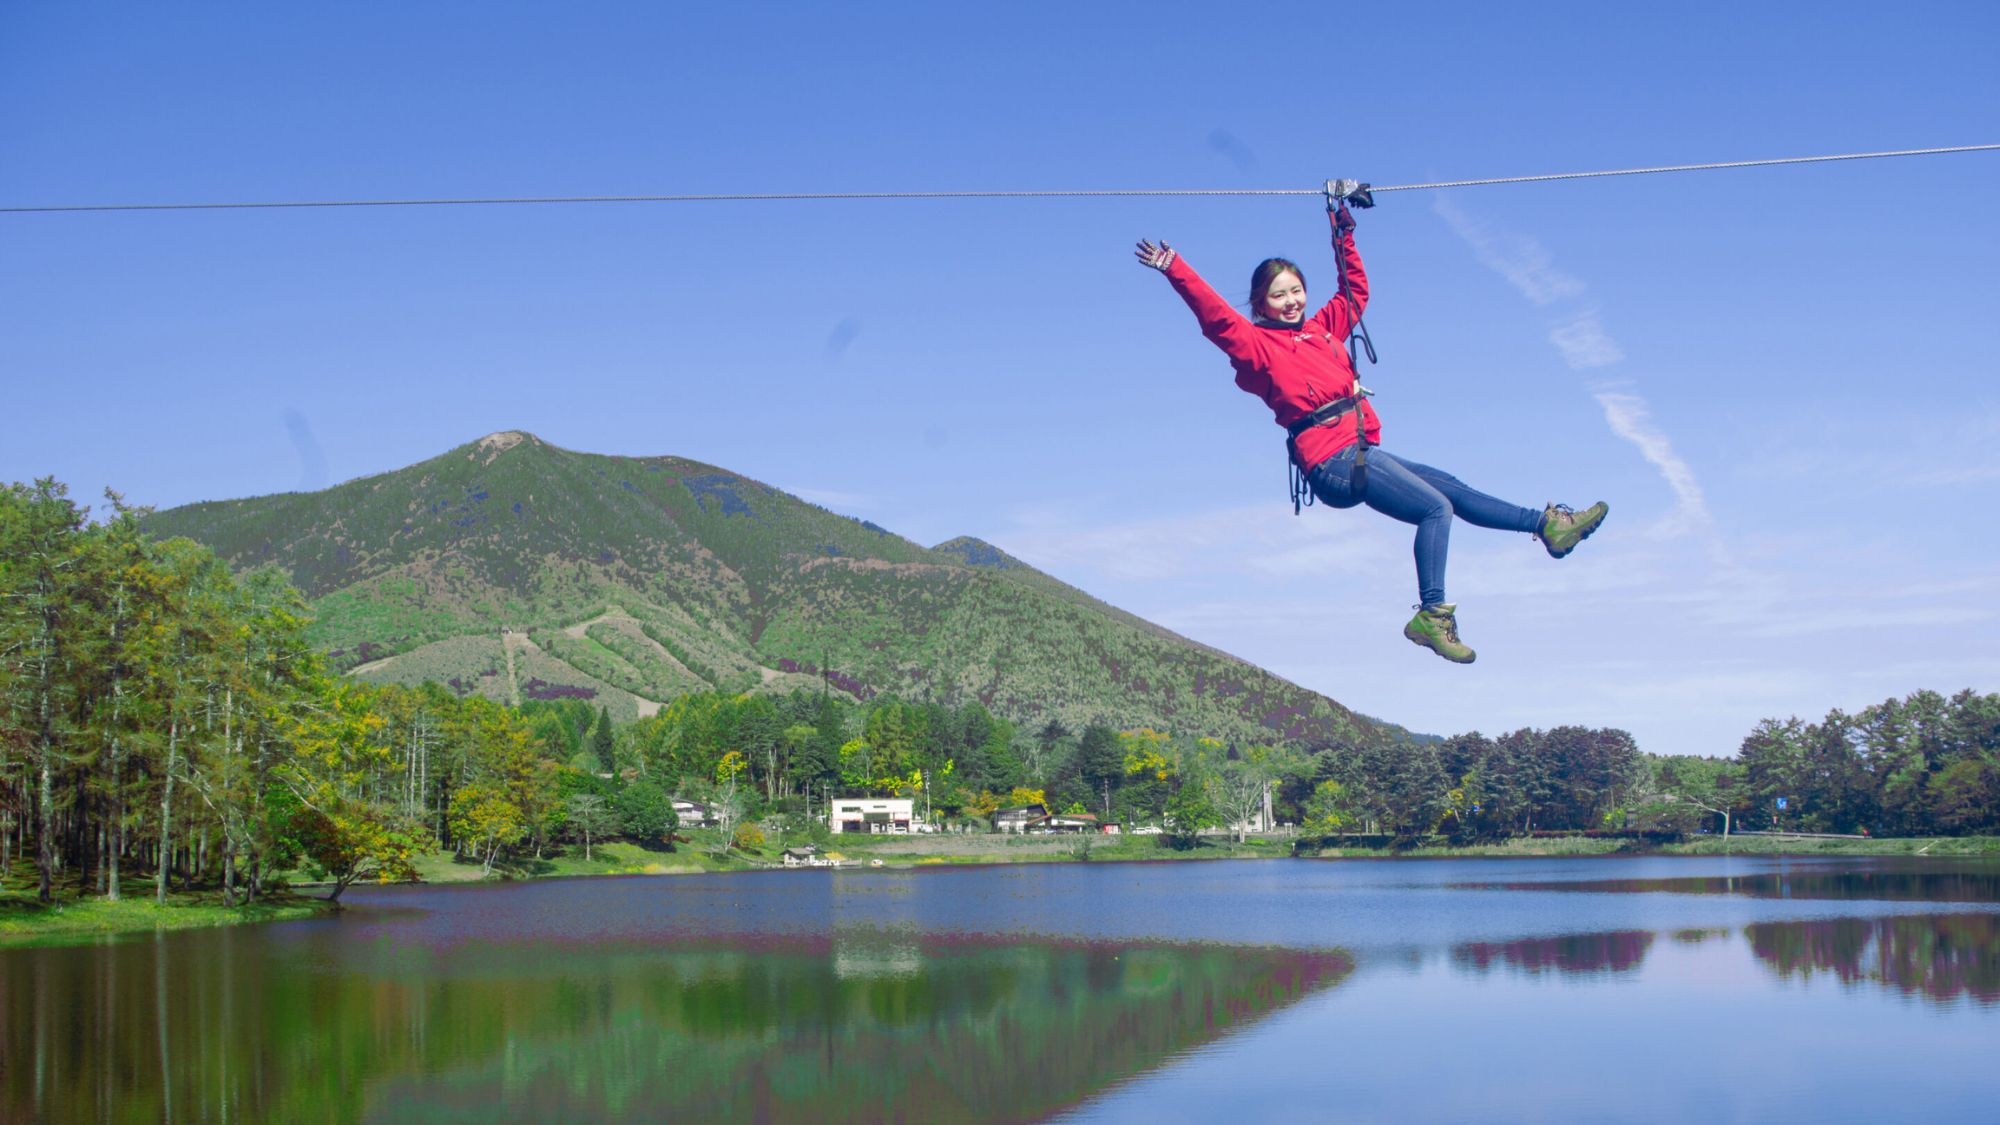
[1300,368]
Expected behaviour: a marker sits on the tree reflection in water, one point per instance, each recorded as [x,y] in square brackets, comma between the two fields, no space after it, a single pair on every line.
[1940,957]
[863,1026]
[1571,953]
[1882,882]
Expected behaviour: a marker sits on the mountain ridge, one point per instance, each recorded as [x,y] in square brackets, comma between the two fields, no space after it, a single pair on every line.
[515,568]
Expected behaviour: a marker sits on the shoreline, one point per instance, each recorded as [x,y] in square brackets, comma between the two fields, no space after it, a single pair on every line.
[87,919]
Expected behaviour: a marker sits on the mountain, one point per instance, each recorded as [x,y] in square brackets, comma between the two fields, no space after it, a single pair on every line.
[516,569]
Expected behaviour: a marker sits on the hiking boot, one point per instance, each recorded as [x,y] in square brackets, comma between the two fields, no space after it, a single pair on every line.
[1436,628]
[1562,529]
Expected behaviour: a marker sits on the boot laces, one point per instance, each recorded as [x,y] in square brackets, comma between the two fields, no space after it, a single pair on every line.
[1448,622]
[1563,513]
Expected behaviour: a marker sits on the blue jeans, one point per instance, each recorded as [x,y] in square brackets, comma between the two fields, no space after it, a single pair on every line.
[1420,495]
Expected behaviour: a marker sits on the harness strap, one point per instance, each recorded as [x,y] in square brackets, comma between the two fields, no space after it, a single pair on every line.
[1357,340]
[1339,408]
[1324,414]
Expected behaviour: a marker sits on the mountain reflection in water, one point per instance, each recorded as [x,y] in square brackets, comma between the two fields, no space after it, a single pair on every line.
[860,1026]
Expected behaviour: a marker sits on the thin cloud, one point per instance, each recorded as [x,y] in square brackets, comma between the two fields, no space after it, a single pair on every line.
[1630,419]
[1580,338]
[1979,474]
[1247,541]
[1584,343]
[836,501]
[1525,263]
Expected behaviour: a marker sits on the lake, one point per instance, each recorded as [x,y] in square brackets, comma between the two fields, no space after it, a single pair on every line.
[1600,989]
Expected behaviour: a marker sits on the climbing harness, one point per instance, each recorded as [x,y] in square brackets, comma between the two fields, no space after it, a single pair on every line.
[1358,342]
[1302,496]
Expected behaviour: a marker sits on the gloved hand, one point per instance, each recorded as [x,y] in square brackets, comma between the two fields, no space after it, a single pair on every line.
[1350,191]
[1159,257]
[1343,220]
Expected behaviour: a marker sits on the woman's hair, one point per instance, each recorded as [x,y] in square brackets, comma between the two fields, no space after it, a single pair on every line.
[1261,278]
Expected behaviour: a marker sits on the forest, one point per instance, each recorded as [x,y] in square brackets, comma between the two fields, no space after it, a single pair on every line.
[165,720]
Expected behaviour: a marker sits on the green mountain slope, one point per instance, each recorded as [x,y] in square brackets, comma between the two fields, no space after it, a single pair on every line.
[516,569]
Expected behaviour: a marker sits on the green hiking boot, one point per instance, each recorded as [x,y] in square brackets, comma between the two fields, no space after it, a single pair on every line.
[1436,628]
[1562,529]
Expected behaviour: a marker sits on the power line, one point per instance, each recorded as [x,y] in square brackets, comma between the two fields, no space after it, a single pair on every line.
[772,197]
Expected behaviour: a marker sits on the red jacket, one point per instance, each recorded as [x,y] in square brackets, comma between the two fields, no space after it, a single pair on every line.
[1293,370]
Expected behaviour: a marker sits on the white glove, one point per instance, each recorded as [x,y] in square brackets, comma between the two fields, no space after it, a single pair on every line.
[1159,257]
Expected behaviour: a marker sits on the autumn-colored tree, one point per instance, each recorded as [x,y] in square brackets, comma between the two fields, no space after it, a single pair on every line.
[1328,811]
[483,818]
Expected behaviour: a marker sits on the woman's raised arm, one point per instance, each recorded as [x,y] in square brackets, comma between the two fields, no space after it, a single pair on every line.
[1223,325]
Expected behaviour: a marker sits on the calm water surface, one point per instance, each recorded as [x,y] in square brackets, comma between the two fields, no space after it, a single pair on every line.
[1661,989]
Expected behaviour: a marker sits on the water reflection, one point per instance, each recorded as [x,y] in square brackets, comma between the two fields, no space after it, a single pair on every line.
[863,1025]
[1874,884]
[1940,957]
[1583,954]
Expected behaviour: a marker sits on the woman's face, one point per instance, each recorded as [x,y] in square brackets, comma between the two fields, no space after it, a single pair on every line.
[1285,300]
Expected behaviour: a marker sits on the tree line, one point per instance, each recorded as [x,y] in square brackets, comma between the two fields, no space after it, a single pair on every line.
[1923,765]
[162,715]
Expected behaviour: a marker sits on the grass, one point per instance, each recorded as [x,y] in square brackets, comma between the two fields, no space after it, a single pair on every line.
[1561,845]
[73,919]
[1793,845]
[926,850]
[610,857]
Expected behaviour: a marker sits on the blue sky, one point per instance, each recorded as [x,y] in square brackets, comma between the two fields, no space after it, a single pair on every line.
[1779,378]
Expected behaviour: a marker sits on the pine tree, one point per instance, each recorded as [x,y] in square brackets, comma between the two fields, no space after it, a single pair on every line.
[602,743]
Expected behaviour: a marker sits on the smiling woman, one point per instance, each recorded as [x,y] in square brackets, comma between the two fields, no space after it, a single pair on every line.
[1303,370]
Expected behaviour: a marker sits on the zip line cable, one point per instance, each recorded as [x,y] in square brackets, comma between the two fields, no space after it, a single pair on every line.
[771,197]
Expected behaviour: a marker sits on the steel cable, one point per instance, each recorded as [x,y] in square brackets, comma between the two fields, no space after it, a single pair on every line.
[768,197]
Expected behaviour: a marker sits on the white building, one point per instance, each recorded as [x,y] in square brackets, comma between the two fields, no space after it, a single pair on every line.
[872,814]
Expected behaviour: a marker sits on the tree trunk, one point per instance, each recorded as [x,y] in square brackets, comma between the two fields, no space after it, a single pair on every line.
[45,834]
[228,869]
[167,818]
[117,812]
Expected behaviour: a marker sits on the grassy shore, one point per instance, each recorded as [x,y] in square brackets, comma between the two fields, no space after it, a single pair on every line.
[76,919]
[1823,845]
